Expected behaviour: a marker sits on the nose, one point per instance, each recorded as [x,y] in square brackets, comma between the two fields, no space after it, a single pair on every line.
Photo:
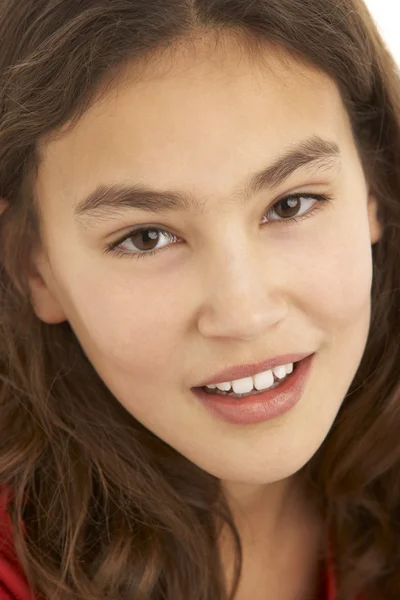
[244,296]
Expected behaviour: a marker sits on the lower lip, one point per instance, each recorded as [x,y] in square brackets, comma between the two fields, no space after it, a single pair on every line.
[260,407]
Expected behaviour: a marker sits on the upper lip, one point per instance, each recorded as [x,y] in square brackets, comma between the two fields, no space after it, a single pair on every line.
[249,370]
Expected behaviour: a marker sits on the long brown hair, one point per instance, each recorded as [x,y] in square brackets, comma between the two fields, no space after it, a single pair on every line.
[102,508]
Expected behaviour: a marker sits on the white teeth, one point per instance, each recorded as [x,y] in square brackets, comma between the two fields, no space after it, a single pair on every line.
[280,372]
[242,386]
[224,387]
[261,381]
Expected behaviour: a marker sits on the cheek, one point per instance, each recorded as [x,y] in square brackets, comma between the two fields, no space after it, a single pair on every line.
[131,332]
[335,273]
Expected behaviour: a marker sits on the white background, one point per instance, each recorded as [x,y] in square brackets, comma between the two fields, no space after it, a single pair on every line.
[387,16]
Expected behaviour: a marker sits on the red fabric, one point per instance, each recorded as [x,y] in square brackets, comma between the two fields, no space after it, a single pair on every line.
[13,585]
[329,592]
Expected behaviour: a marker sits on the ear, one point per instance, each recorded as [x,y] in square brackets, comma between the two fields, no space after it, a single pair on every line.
[375,227]
[41,283]
[44,292]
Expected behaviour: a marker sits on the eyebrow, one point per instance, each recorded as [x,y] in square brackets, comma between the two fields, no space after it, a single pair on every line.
[107,201]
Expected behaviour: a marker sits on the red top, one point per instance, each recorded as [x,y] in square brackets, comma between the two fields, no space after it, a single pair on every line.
[13,585]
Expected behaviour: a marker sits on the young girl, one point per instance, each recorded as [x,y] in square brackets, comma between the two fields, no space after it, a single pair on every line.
[199,301]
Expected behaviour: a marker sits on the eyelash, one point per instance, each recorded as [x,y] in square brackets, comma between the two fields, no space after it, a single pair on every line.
[322,201]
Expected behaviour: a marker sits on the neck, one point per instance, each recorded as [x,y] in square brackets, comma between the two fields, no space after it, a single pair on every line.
[281,533]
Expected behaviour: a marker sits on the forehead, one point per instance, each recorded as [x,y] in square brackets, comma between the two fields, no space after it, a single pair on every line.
[192,119]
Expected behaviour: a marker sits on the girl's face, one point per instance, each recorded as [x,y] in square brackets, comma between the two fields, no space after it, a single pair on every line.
[226,287]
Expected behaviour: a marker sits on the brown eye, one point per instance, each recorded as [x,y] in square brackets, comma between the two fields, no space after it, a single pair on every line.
[288,207]
[293,207]
[145,239]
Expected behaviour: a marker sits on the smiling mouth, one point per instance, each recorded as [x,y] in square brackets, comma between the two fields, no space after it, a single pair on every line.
[254,392]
